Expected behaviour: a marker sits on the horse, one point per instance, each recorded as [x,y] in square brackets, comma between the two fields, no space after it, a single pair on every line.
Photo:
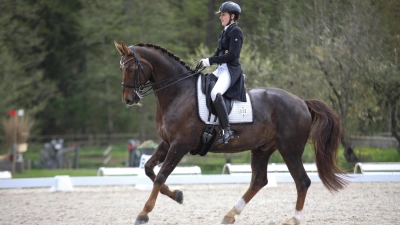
[282,121]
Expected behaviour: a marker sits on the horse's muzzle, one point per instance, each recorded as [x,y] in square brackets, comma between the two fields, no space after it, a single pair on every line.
[131,99]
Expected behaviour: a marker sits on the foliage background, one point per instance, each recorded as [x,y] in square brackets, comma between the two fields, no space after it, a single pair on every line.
[58,61]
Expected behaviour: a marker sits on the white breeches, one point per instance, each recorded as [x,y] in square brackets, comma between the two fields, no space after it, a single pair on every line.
[224,81]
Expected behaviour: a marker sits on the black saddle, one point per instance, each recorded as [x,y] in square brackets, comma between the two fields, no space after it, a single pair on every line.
[207,84]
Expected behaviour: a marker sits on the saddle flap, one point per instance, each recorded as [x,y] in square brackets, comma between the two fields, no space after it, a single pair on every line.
[208,82]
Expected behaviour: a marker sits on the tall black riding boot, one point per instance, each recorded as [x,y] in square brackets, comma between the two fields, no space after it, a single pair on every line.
[220,107]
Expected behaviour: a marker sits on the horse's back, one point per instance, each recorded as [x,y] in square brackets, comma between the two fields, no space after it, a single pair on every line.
[277,99]
[281,109]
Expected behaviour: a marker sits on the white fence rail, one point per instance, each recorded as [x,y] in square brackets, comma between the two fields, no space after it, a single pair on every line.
[123,171]
[377,168]
[178,179]
[272,168]
[118,171]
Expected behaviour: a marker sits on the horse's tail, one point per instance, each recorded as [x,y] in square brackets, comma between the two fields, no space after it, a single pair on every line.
[325,137]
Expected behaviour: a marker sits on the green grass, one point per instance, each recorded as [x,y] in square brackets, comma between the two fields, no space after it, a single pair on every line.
[366,154]
[212,163]
[90,157]
[52,173]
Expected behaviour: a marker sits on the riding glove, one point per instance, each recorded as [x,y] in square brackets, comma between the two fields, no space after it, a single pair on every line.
[205,62]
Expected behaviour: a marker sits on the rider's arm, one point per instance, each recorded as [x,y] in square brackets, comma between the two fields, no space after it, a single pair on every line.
[235,46]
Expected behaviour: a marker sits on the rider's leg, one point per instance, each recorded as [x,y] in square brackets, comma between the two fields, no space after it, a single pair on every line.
[222,85]
[220,107]
[223,82]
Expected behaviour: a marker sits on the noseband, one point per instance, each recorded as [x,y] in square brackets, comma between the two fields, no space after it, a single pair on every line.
[138,89]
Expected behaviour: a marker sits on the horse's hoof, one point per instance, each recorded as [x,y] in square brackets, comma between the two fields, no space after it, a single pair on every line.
[141,220]
[291,221]
[179,197]
[228,220]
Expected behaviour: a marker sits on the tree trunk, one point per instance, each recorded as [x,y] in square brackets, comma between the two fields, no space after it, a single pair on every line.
[393,115]
[109,111]
[211,38]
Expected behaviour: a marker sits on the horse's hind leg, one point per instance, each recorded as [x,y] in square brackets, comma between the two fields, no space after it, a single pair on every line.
[157,158]
[301,179]
[259,164]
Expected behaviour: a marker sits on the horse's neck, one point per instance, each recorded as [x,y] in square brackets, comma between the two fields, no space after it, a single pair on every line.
[175,89]
[165,69]
[177,92]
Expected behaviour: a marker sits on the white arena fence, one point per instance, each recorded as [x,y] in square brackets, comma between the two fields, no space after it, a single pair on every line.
[178,179]
[377,168]
[115,171]
[385,174]
[272,168]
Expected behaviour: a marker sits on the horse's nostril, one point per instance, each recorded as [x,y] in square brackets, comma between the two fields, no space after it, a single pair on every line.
[127,101]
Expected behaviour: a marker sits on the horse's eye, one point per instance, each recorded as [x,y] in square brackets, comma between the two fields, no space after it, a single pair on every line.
[129,70]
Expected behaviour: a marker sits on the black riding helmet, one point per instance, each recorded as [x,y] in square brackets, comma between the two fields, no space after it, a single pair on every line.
[230,7]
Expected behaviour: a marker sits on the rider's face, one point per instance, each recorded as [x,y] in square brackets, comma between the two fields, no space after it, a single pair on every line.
[224,17]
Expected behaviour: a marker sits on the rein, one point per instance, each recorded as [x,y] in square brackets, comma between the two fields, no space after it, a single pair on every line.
[138,89]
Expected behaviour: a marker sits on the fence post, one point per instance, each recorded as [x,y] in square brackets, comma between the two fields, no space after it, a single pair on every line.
[76,157]
[60,159]
[90,139]
[107,155]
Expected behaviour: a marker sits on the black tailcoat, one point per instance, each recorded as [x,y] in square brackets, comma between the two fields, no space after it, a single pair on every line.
[228,51]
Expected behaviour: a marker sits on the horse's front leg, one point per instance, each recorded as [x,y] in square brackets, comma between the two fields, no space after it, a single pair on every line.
[174,156]
[157,158]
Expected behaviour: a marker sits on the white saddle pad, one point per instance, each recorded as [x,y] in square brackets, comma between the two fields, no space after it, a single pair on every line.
[242,112]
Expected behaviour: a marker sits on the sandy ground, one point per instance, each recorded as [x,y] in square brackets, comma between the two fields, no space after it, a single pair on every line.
[359,203]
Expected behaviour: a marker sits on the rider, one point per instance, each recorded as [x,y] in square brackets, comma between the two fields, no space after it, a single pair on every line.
[229,72]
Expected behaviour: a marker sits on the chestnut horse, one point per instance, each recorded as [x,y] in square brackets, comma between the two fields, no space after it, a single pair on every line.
[282,121]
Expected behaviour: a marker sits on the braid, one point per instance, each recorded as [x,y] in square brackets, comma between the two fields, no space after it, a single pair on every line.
[166,51]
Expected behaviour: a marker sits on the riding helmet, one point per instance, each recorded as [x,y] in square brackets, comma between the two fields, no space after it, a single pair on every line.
[230,7]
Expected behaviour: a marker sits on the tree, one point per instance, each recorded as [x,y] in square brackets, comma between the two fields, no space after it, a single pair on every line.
[23,84]
[333,37]
[385,76]
[58,61]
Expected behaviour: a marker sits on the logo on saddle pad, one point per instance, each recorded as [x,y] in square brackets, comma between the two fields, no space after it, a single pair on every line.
[242,112]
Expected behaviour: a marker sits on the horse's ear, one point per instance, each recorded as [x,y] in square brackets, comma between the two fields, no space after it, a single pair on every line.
[119,48]
[126,49]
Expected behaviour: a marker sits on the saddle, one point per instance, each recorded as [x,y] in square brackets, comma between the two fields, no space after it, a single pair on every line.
[208,82]
[208,135]
[240,112]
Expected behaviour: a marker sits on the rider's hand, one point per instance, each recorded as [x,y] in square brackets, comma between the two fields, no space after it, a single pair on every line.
[205,62]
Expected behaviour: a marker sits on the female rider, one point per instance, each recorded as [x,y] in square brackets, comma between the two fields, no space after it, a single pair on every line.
[230,82]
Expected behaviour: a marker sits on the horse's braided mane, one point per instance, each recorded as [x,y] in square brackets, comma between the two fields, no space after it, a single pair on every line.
[165,50]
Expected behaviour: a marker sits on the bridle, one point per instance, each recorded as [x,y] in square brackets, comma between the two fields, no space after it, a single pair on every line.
[139,89]
[136,87]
